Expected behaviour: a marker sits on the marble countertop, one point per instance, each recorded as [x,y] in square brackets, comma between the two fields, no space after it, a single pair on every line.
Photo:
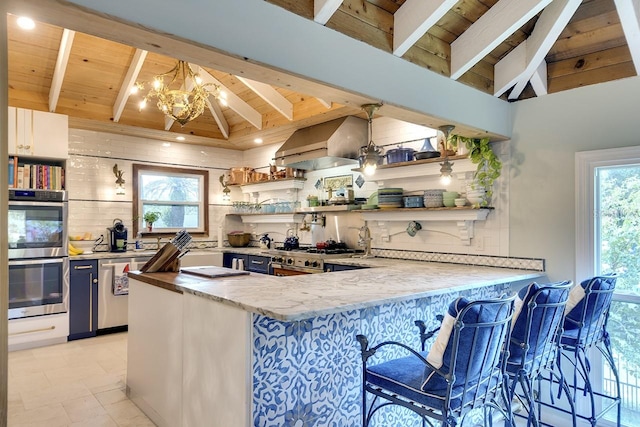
[149,253]
[306,296]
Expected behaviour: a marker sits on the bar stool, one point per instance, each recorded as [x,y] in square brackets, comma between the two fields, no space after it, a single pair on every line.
[533,345]
[585,327]
[463,370]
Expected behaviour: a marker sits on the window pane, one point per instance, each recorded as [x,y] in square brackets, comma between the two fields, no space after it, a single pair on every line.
[166,188]
[174,216]
[179,196]
[617,230]
[618,225]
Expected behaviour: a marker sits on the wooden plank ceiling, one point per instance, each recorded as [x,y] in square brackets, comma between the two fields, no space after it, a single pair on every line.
[514,49]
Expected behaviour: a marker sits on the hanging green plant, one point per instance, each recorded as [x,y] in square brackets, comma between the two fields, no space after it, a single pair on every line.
[489,166]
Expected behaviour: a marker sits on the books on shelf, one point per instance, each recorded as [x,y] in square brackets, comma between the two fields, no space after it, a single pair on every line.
[34,175]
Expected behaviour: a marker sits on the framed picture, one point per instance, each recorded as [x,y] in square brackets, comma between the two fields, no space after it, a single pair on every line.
[336,182]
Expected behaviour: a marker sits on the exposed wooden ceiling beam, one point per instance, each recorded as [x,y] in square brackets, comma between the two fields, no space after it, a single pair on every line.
[323,10]
[413,20]
[128,82]
[61,67]
[629,12]
[270,95]
[519,65]
[233,101]
[484,35]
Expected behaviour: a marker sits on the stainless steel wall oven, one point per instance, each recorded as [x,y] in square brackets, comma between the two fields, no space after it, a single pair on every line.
[38,254]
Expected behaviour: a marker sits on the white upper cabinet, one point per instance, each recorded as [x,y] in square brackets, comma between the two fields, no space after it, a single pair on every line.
[38,134]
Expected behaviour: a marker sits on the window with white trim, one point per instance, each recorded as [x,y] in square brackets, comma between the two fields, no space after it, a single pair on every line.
[178,196]
[608,240]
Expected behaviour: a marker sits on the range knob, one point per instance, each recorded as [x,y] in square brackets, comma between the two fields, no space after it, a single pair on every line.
[274,259]
[306,263]
[290,261]
[314,264]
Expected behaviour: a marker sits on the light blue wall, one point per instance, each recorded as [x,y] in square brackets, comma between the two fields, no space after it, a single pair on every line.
[547,132]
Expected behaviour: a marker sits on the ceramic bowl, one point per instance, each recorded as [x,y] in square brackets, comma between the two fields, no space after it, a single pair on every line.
[413,201]
[460,202]
[433,193]
[450,195]
[475,200]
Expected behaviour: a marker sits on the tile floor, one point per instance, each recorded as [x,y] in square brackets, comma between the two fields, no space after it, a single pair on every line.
[79,383]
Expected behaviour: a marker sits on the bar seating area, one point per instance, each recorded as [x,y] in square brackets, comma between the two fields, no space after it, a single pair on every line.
[526,356]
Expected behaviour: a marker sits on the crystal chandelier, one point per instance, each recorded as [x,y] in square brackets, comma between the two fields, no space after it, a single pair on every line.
[184,97]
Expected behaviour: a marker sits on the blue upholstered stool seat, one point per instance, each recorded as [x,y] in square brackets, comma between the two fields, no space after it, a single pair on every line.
[404,376]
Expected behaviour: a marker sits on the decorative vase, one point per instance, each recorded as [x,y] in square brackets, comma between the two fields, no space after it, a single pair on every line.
[150,226]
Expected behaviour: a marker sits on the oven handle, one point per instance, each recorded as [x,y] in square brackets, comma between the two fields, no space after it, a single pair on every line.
[45,204]
[37,261]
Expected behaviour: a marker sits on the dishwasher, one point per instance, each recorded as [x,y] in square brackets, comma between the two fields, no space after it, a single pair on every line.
[113,291]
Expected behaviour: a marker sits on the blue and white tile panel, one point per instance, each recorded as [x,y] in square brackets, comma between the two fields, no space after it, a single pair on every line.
[308,373]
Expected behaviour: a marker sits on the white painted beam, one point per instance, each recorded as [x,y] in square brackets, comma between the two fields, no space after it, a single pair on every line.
[553,19]
[61,67]
[234,101]
[629,12]
[323,10]
[502,20]
[539,79]
[128,83]
[326,103]
[270,95]
[216,112]
[413,19]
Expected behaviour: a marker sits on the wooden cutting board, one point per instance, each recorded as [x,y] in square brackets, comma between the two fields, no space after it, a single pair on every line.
[212,271]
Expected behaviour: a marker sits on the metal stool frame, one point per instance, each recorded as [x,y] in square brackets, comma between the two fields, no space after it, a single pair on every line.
[537,346]
[492,367]
[592,333]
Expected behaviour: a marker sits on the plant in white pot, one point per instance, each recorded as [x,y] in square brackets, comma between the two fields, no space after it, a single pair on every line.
[151,217]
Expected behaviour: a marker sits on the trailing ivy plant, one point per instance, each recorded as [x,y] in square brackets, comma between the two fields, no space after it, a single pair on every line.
[489,166]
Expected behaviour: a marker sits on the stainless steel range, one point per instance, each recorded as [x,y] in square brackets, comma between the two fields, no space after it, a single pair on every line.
[304,260]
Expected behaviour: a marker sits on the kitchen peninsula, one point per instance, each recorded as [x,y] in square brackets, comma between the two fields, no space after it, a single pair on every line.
[259,350]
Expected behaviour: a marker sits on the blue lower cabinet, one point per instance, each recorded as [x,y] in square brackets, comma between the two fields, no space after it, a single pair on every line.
[227,260]
[252,263]
[259,264]
[83,299]
[339,267]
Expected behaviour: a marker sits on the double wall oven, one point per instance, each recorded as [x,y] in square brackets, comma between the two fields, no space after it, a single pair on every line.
[38,254]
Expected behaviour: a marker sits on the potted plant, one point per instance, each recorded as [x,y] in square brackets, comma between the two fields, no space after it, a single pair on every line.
[489,166]
[149,218]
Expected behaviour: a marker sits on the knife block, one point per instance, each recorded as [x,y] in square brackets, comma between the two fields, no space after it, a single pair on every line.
[165,260]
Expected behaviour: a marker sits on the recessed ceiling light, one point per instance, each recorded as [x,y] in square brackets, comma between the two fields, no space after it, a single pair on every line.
[166,144]
[26,23]
[180,138]
[258,140]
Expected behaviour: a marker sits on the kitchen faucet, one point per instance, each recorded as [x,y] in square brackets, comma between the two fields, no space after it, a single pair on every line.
[364,240]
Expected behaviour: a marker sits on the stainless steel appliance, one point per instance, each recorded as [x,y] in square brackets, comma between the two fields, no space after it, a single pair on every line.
[38,286]
[113,300]
[37,224]
[38,254]
[304,260]
[325,145]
